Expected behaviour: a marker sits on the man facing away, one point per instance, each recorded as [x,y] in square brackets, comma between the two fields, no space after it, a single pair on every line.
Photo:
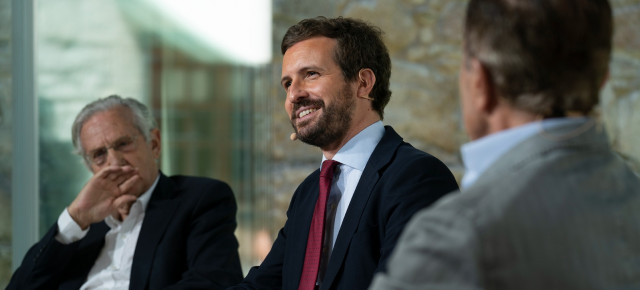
[132,227]
[335,73]
[546,203]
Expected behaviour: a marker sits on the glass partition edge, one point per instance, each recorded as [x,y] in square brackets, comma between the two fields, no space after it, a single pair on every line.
[25,175]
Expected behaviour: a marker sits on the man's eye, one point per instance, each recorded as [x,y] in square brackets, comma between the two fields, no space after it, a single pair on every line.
[312,73]
[98,154]
[122,144]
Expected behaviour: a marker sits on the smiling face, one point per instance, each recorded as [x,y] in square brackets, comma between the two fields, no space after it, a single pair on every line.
[319,102]
[110,138]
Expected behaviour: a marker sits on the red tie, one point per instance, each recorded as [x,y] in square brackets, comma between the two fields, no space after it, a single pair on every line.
[314,242]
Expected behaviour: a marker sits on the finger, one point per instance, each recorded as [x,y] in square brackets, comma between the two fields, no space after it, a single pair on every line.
[121,206]
[124,202]
[108,172]
[122,171]
[129,185]
[118,174]
[129,169]
[122,177]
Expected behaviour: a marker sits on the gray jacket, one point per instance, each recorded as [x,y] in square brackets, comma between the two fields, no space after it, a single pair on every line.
[559,211]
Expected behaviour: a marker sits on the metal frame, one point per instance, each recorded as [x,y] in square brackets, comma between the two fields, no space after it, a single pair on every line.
[25,173]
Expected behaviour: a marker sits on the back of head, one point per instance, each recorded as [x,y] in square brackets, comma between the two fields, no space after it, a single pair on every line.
[142,118]
[359,45]
[546,57]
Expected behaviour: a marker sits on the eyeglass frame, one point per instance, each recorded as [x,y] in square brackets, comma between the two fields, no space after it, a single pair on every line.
[89,157]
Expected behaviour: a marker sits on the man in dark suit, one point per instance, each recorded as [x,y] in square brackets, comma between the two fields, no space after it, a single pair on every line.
[132,227]
[336,76]
[545,202]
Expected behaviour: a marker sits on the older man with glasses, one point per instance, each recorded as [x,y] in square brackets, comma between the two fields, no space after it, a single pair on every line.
[132,227]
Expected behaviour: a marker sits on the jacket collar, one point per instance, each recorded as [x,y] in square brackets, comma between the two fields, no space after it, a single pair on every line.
[380,158]
[158,215]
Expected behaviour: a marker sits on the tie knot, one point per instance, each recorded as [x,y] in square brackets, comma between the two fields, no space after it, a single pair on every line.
[328,167]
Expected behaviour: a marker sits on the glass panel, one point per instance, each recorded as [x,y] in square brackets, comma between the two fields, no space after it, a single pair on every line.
[5,143]
[206,90]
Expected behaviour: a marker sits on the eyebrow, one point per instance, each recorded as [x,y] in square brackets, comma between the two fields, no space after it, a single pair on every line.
[121,138]
[302,69]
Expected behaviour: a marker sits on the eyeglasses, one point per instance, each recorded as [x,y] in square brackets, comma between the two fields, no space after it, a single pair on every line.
[124,144]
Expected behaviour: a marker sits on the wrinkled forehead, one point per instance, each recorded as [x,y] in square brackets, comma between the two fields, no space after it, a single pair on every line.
[104,128]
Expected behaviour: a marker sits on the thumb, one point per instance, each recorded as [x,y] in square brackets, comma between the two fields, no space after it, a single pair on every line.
[123,203]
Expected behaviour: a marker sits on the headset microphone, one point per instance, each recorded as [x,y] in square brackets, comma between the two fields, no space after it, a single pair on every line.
[366,98]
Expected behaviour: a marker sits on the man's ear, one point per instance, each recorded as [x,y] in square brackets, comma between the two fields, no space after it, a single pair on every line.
[484,96]
[155,142]
[366,80]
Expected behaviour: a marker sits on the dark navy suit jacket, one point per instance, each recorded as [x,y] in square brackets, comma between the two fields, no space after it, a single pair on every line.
[397,181]
[186,241]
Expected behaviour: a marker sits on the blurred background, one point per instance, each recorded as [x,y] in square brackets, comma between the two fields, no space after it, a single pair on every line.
[210,71]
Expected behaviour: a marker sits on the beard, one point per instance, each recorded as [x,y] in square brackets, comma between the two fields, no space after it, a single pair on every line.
[332,126]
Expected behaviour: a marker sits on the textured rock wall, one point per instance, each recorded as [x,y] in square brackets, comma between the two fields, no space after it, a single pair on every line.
[424,40]
[620,98]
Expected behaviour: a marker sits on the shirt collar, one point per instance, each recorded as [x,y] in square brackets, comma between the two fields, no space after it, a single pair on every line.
[357,151]
[478,155]
[146,196]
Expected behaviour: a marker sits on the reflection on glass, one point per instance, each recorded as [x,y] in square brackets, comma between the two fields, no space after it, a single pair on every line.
[191,64]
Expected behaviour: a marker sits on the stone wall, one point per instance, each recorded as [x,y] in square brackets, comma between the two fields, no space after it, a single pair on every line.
[621,96]
[424,40]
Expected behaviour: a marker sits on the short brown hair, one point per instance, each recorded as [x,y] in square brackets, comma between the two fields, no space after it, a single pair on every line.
[359,46]
[545,56]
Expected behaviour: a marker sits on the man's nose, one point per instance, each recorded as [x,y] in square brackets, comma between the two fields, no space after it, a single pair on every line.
[115,157]
[297,90]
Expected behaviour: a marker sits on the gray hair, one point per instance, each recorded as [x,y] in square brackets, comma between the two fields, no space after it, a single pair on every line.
[142,118]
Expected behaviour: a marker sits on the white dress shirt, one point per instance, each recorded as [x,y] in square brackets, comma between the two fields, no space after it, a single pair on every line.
[478,155]
[353,157]
[112,268]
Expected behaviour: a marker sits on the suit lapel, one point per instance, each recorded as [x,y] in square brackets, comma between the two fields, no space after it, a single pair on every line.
[158,214]
[380,157]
